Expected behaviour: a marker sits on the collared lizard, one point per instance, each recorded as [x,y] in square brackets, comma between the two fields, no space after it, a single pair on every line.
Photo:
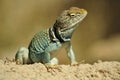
[53,38]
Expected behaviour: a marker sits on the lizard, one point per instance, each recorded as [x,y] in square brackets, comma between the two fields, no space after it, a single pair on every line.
[49,40]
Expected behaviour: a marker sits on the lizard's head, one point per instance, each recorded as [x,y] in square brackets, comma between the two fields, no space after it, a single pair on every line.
[67,22]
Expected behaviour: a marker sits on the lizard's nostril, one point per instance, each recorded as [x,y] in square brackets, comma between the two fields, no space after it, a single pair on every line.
[83,11]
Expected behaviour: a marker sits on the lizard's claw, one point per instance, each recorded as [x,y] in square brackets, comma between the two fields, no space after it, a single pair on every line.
[51,67]
[18,62]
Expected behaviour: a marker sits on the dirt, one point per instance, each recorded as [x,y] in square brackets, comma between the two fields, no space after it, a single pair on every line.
[109,70]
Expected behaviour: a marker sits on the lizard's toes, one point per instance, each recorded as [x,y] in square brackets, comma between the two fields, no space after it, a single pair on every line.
[18,62]
[52,67]
[74,63]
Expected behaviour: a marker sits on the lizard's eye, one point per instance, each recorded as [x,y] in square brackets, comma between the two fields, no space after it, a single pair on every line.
[72,14]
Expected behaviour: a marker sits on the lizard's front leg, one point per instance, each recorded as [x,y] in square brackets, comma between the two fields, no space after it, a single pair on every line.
[71,54]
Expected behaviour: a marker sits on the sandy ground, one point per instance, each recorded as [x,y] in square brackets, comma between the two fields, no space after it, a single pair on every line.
[97,71]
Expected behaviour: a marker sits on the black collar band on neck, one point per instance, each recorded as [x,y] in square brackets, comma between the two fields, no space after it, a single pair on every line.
[58,35]
[54,35]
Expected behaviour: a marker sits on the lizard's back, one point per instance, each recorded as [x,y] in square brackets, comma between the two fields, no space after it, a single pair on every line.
[40,41]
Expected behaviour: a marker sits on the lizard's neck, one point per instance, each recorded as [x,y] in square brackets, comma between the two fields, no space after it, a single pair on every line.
[56,36]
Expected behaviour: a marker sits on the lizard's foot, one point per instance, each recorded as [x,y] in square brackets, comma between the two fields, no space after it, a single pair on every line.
[75,63]
[50,66]
[17,62]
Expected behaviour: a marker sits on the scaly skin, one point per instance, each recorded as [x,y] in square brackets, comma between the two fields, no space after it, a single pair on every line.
[54,38]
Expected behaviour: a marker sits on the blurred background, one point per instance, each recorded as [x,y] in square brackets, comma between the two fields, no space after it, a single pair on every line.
[97,38]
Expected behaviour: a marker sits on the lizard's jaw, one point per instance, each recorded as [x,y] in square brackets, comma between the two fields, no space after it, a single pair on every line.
[70,28]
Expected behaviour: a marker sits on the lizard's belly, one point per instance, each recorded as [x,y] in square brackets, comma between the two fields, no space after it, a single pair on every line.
[54,49]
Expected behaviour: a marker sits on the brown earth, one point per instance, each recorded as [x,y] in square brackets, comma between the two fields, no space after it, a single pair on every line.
[109,70]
